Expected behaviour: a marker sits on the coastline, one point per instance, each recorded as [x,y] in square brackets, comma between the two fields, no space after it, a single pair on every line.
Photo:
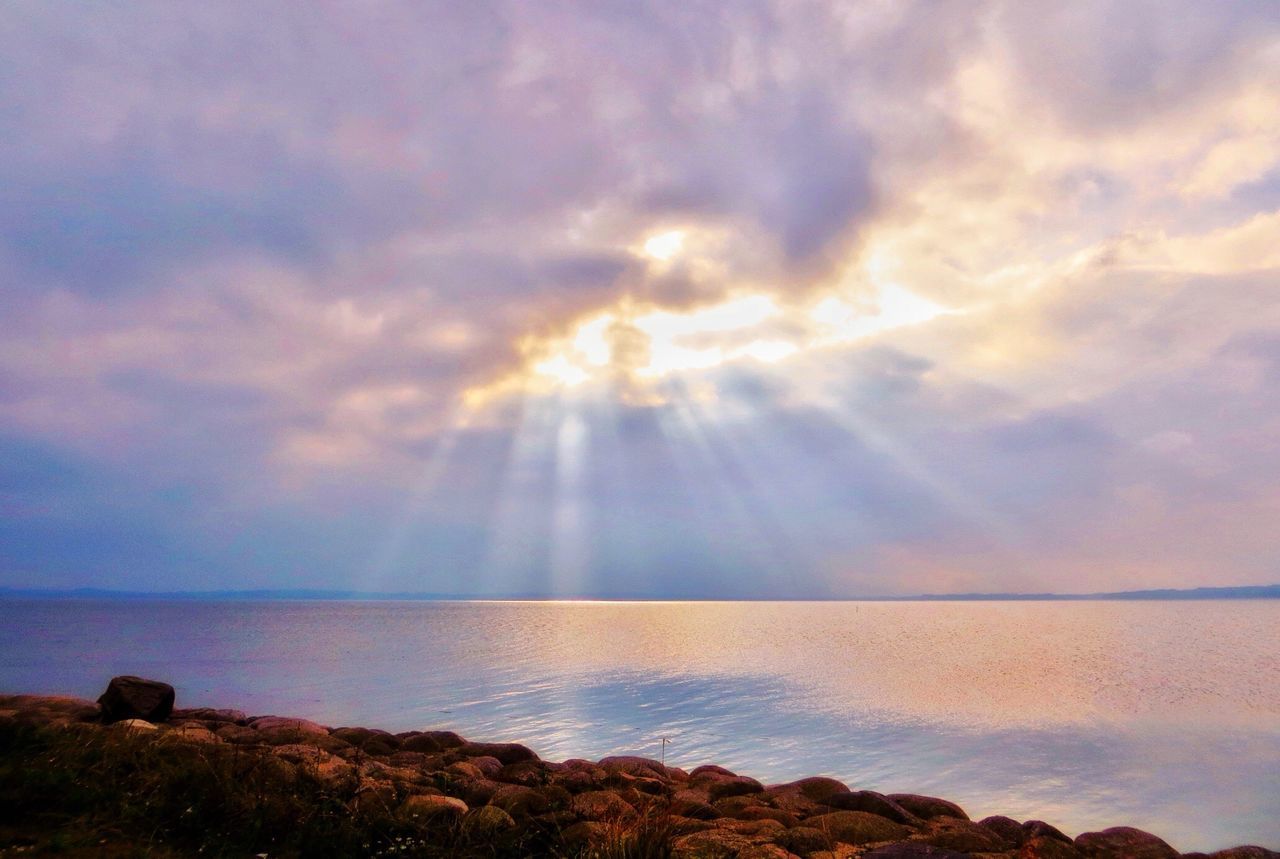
[365,791]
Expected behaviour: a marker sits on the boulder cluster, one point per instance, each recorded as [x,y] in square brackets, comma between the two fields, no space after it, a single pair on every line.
[496,788]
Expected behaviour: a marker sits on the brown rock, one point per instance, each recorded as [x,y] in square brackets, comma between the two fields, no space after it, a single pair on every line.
[519,801]
[765,851]
[869,800]
[803,840]
[528,773]
[1245,852]
[208,714]
[720,786]
[129,697]
[1047,847]
[487,820]
[762,812]
[429,741]
[299,726]
[507,753]
[581,836]
[424,807]
[1038,828]
[694,808]
[913,850]
[136,725]
[964,836]
[1124,842]
[633,765]
[857,827]
[711,844]
[1007,828]
[602,806]
[711,769]
[926,807]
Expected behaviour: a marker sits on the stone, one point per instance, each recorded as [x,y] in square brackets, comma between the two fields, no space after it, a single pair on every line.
[817,788]
[711,843]
[763,812]
[602,806]
[1047,847]
[632,765]
[429,741]
[194,734]
[581,836]
[764,851]
[519,801]
[857,827]
[507,753]
[137,725]
[423,807]
[803,840]
[281,723]
[487,820]
[693,808]
[209,714]
[488,765]
[368,740]
[527,773]
[1007,828]
[129,697]
[1247,851]
[926,807]
[720,787]
[964,836]
[1038,828]
[869,800]
[1124,842]
[913,850]
[711,769]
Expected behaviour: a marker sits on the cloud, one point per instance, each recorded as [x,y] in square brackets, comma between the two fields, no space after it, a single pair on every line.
[972,296]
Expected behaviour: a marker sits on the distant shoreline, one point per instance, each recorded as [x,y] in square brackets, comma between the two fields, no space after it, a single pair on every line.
[1248,592]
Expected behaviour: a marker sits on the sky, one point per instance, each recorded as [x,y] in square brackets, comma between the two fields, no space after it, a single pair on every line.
[657,299]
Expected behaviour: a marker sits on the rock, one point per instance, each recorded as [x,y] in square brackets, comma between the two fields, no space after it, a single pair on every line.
[711,769]
[926,807]
[602,806]
[464,769]
[711,843]
[731,806]
[912,850]
[1124,842]
[429,741]
[487,764]
[129,697]
[424,807]
[803,840]
[632,765]
[1047,847]
[283,724]
[527,773]
[964,836]
[764,851]
[581,836]
[857,827]
[208,714]
[817,788]
[694,808]
[519,801]
[763,812]
[507,753]
[1245,852]
[136,725]
[1007,828]
[869,800]
[487,820]
[194,734]
[721,787]
[1038,828]
[369,741]
[239,734]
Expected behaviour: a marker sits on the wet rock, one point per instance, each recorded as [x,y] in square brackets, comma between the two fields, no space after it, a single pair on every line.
[425,807]
[927,807]
[602,806]
[1007,828]
[1124,842]
[507,753]
[487,820]
[869,800]
[429,741]
[129,697]
[857,827]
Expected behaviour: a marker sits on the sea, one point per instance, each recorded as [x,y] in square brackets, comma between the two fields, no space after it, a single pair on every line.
[1164,715]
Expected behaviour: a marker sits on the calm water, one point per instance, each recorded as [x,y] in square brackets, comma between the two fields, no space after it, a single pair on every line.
[1162,715]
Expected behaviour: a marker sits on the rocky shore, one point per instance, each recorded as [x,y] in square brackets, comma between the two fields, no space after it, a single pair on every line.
[221,782]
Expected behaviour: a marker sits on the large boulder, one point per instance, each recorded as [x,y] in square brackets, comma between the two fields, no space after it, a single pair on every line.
[129,697]
[869,800]
[927,807]
[1124,842]
[857,827]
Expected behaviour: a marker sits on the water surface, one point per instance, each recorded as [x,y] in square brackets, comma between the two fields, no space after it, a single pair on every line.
[1161,715]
